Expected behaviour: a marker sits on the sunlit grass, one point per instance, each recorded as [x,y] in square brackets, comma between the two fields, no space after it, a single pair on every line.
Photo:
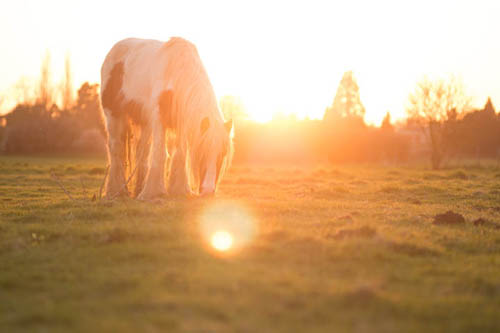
[328,249]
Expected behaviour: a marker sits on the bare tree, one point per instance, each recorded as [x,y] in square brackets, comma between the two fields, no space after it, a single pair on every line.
[67,91]
[45,91]
[434,105]
[23,92]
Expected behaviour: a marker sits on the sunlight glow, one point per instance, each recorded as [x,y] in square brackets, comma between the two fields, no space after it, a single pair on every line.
[227,227]
[222,240]
[276,66]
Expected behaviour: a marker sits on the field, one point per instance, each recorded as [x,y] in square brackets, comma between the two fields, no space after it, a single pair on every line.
[322,249]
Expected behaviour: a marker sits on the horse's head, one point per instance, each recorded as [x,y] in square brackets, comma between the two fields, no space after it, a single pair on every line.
[216,153]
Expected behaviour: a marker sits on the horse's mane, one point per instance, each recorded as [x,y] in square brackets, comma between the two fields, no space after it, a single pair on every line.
[193,99]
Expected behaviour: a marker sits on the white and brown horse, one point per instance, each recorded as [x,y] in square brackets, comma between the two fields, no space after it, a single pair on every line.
[155,90]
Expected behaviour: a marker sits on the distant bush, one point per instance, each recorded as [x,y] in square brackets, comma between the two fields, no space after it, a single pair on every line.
[37,128]
[303,141]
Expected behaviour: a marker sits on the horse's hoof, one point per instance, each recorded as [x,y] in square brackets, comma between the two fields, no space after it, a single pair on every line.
[151,197]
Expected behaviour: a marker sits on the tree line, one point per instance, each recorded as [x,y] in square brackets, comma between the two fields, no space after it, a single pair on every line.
[51,119]
[441,125]
[47,128]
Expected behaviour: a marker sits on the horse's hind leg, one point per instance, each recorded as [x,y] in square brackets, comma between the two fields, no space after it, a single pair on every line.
[117,136]
[155,179]
[141,159]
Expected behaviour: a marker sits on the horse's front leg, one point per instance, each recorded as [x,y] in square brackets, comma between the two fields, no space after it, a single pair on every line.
[141,159]
[117,132]
[154,186]
[178,184]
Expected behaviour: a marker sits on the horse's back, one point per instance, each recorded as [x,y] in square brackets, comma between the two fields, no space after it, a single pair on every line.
[129,73]
[126,51]
[144,50]
[137,74]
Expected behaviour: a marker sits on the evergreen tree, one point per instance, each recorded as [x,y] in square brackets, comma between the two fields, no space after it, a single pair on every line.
[386,123]
[479,132]
[489,108]
[347,102]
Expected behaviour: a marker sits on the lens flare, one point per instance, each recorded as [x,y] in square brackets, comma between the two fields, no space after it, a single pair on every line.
[222,240]
[227,227]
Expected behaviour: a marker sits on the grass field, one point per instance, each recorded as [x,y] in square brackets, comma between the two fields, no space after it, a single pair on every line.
[328,249]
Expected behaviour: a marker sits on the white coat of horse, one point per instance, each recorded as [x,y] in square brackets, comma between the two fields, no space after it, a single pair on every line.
[153,90]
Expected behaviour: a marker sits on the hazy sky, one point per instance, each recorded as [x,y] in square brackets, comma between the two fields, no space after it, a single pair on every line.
[278,56]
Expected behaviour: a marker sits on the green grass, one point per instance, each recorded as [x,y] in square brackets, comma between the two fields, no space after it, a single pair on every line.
[336,249]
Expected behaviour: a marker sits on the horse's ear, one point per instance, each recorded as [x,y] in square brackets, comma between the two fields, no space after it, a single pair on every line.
[205,124]
[228,125]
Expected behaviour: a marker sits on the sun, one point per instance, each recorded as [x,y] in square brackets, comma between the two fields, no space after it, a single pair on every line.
[222,240]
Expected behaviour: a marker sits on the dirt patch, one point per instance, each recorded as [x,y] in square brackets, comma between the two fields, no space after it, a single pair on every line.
[449,218]
[390,189]
[116,235]
[458,175]
[345,218]
[361,296]
[96,171]
[363,232]
[481,222]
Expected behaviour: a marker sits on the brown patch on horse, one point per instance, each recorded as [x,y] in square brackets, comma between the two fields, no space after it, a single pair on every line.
[111,96]
[133,109]
[165,104]
[113,99]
